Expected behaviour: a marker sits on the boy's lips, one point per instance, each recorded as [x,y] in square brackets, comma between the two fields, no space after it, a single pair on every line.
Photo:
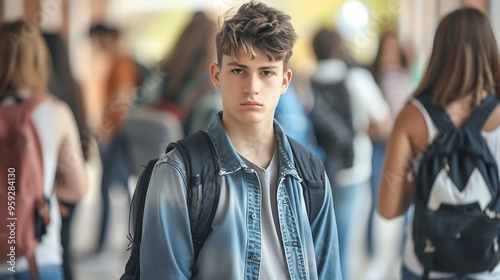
[251,103]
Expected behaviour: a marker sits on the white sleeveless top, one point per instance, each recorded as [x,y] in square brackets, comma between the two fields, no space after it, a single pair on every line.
[410,260]
[49,251]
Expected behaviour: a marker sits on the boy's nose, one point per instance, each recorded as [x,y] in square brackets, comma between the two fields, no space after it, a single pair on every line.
[252,84]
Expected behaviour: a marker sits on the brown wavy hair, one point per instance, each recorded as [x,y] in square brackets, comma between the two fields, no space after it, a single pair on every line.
[255,25]
[24,57]
[191,55]
[464,59]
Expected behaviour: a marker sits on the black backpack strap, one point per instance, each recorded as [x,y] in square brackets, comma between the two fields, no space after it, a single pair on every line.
[443,121]
[202,165]
[311,170]
[428,260]
[142,188]
[132,268]
[437,114]
[481,114]
[201,160]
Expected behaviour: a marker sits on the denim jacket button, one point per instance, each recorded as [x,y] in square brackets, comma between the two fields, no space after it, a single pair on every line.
[254,216]
[253,257]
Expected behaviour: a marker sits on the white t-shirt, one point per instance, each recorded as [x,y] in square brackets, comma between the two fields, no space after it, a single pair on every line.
[273,264]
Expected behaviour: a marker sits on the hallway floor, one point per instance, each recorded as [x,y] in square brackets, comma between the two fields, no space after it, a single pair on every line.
[109,263]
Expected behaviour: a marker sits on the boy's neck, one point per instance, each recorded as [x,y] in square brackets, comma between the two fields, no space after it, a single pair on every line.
[255,145]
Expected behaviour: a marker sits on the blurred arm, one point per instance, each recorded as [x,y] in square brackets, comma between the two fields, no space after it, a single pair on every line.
[71,180]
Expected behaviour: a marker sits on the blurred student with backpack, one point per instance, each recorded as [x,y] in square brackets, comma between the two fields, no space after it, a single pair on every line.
[294,119]
[348,110]
[261,228]
[292,113]
[64,86]
[118,93]
[392,72]
[41,152]
[462,76]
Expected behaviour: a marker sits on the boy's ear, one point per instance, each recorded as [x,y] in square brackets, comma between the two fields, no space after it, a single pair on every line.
[287,78]
[214,74]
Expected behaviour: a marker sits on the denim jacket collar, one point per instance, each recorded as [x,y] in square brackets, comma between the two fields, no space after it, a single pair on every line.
[231,162]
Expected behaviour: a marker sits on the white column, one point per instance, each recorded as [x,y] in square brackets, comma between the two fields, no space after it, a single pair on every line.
[2,10]
[447,6]
[495,19]
[13,9]
[418,22]
[427,19]
[51,11]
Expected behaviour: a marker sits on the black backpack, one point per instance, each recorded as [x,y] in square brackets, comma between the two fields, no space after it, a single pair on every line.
[456,223]
[335,96]
[201,159]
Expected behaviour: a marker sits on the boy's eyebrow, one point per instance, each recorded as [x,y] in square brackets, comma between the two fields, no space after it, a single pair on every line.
[234,63]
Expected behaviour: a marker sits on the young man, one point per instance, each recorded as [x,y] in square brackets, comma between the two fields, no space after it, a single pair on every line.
[261,228]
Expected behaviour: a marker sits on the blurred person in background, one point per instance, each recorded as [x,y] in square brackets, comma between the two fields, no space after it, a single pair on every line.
[293,116]
[24,73]
[63,85]
[392,71]
[177,101]
[187,83]
[119,89]
[370,119]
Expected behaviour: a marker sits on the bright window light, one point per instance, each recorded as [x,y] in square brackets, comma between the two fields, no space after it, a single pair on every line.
[355,15]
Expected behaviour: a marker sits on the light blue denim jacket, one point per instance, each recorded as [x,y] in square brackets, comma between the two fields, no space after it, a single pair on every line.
[233,247]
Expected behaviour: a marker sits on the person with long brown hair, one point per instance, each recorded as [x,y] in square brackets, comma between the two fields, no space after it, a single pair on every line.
[464,69]
[187,82]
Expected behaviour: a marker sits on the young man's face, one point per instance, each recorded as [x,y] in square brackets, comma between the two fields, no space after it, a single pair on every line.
[250,89]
